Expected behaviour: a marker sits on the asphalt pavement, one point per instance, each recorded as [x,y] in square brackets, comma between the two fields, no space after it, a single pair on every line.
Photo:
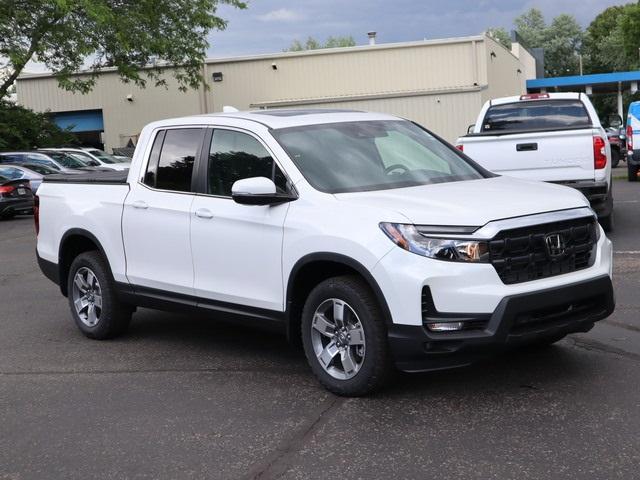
[186,397]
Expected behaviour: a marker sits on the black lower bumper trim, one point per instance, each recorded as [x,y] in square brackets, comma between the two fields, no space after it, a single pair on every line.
[517,320]
[49,269]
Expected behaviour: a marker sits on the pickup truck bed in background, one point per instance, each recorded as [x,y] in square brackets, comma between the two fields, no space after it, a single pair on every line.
[553,138]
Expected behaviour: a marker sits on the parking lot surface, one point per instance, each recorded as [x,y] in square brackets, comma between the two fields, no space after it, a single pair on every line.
[187,397]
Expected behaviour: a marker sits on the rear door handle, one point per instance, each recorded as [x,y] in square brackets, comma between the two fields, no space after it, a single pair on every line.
[526,147]
[140,204]
[204,213]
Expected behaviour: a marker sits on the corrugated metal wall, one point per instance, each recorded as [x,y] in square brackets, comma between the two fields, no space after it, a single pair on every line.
[440,84]
[122,119]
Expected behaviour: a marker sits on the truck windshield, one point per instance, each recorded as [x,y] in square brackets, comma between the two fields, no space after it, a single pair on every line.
[372,155]
[536,115]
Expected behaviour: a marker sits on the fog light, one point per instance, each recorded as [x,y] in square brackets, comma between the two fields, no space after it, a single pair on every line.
[445,327]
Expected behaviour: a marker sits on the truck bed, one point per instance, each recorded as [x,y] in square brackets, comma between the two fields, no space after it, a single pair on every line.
[108,178]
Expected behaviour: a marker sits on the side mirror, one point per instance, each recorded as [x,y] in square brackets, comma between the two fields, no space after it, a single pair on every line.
[258,191]
[470,128]
[614,121]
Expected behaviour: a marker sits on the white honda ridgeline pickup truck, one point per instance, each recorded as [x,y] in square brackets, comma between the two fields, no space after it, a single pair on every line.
[363,234]
[553,137]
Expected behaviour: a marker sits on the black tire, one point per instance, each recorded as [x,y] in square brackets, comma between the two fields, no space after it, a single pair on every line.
[114,316]
[632,172]
[376,364]
[615,158]
[607,222]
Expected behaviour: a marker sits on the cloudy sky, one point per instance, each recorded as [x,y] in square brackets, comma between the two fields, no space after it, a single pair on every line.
[271,25]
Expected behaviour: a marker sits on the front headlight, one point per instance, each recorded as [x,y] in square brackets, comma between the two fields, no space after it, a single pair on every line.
[450,249]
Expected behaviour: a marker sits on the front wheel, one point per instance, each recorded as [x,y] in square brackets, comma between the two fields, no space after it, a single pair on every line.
[95,307]
[345,337]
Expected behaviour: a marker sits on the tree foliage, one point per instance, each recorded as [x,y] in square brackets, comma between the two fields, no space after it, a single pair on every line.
[23,129]
[500,35]
[602,46]
[561,40]
[313,44]
[129,35]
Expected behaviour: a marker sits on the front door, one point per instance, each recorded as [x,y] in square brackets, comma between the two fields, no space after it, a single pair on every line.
[237,249]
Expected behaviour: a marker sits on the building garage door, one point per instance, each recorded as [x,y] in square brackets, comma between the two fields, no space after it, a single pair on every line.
[87,125]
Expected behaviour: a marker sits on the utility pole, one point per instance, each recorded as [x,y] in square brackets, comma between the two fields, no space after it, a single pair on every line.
[580,58]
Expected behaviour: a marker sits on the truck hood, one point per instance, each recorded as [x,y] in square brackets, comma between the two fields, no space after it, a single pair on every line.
[473,202]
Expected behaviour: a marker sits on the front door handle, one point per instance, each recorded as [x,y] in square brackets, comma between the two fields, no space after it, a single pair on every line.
[526,147]
[204,213]
[140,204]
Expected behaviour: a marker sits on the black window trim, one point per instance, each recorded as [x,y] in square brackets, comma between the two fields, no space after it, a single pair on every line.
[203,163]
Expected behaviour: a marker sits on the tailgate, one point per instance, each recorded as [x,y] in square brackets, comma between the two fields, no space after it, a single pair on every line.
[548,156]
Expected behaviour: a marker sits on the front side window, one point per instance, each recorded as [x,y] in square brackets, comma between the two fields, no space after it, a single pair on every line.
[172,157]
[234,156]
[67,160]
[372,155]
[105,157]
[536,115]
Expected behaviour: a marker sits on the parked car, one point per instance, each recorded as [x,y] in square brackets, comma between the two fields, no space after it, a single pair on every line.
[99,157]
[19,172]
[616,134]
[15,197]
[363,234]
[62,164]
[553,137]
[633,148]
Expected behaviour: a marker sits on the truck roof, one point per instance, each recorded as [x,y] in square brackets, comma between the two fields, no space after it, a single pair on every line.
[541,96]
[280,118]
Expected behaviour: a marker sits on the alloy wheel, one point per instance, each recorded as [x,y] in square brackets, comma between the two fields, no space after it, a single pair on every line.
[87,297]
[338,339]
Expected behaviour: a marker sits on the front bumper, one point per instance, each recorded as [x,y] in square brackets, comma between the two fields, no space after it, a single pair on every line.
[518,319]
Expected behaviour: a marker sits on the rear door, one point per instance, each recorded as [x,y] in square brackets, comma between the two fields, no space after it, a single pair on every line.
[156,217]
[549,140]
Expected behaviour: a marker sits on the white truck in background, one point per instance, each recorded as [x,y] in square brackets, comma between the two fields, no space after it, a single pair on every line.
[551,137]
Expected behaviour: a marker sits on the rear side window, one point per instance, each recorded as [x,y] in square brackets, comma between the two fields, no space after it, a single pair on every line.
[172,157]
[234,156]
[536,115]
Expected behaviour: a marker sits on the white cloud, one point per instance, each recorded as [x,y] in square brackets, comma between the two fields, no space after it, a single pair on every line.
[280,15]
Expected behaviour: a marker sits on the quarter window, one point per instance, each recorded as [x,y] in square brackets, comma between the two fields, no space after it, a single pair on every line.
[172,157]
[234,156]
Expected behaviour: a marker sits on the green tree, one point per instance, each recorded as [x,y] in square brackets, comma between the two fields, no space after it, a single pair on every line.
[531,27]
[313,44]
[501,35]
[23,129]
[67,35]
[628,33]
[561,40]
[602,45]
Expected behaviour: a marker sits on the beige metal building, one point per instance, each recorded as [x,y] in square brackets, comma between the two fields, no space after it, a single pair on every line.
[439,83]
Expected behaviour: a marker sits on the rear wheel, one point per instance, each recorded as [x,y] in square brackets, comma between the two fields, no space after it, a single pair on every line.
[345,337]
[95,307]
[632,172]
[615,158]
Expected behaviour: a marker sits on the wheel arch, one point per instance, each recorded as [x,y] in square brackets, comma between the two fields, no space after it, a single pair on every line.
[313,268]
[74,242]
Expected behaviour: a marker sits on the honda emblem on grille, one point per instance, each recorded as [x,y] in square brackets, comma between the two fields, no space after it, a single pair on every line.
[555,245]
